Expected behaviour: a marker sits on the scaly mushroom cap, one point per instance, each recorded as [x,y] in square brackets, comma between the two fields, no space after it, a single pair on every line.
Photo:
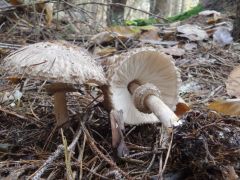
[144,66]
[57,61]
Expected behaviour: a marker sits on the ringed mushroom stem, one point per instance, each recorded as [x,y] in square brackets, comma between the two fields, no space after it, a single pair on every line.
[157,106]
[60,108]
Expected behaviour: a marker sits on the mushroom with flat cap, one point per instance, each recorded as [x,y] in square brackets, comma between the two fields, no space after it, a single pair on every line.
[60,63]
[144,84]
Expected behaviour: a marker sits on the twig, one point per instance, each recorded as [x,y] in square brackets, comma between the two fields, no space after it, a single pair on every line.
[100,154]
[80,158]
[17,115]
[67,156]
[123,5]
[54,156]
[161,171]
[9,46]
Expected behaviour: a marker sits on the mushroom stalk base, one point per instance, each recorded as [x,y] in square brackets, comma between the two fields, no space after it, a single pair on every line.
[161,110]
[155,105]
[60,108]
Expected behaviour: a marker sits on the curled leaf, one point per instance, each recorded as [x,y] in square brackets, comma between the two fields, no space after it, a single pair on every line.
[181,108]
[227,107]
[233,83]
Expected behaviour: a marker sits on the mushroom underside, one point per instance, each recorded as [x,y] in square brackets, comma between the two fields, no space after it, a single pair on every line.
[144,67]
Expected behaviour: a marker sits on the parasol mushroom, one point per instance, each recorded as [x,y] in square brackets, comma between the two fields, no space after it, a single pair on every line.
[60,63]
[142,88]
[144,84]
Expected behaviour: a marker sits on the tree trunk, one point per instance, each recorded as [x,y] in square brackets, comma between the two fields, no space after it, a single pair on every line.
[175,10]
[236,26]
[115,14]
[183,8]
[162,8]
[152,5]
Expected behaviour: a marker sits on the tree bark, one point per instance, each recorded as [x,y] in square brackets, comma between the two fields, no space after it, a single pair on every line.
[152,5]
[115,14]
[183,8]
[162,8]
[236,26]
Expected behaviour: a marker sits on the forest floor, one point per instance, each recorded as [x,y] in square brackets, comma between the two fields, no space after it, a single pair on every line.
[206,146]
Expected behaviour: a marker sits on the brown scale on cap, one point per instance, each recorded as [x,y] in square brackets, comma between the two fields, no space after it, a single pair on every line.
[61,63]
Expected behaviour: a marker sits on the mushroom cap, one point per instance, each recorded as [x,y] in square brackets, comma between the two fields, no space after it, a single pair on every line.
[144,66]
[233,82]
[55,61]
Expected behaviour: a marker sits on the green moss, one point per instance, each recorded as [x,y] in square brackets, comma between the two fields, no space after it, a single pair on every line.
[145,22]
[194,11]
[141,22]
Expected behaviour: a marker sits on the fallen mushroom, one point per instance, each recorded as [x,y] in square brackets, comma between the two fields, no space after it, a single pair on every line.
[144,85]
[60,63]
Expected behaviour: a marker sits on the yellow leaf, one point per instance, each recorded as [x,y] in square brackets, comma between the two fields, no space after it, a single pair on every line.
[104,51]
[227,107]
[49,12]
[233,83]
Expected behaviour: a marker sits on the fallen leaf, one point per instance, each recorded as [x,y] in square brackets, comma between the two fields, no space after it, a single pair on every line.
[48,7]
[168,34]
[209,13]
[222,36]
[104,51]
[192,32]
[174,51]
[14,79]
[227,107]
[181,108]
[101,37]
[233,83]
[230,173]
[152,34]
[125,31]
[215,19]
[190,46]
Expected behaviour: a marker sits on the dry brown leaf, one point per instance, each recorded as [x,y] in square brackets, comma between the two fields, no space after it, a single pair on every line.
[125,31]
[174,51]
[227,107]
[192,32]
[48,7]
[14,79]
[151,34]
[181,108]
[214,19]
[233,83]
[101,37]
[104,51]
[168,34]
[230,173]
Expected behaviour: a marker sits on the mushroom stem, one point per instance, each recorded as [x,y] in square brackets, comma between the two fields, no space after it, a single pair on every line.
[60,108]
[161,110]
[156,106]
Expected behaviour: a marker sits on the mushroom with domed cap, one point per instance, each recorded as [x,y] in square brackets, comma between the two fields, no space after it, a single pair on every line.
[58,62]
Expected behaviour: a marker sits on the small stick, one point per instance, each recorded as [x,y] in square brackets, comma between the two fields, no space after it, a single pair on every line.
[100,154]
[59,151]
